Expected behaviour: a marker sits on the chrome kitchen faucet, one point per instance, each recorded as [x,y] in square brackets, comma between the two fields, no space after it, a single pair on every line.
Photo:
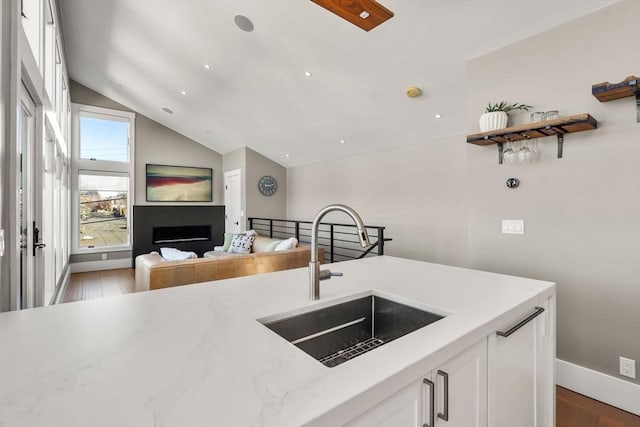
[315,274]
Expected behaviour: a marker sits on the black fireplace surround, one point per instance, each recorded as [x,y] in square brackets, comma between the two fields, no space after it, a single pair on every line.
[187,228]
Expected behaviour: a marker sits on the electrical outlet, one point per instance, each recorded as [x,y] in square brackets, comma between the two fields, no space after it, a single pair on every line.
[627,367]
[1,242]
[104,256]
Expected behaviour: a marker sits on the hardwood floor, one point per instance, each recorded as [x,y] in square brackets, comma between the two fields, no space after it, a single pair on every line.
[572,409]
[99,284]
[576,410]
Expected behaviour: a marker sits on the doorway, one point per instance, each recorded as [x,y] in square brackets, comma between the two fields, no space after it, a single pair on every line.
[26,142]
[27,289]
[233,201]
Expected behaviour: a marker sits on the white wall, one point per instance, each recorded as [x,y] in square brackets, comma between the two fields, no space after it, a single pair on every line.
[260,206]
[582,212]
[157,144]
[160,145]
[443,200]
[254,165]
[417,192]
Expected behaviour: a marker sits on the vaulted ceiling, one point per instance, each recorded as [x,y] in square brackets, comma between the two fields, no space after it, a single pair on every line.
[150,55]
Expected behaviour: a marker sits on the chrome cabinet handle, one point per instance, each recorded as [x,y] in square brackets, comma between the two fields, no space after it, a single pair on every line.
[432,402]
[538,311]
[444,415]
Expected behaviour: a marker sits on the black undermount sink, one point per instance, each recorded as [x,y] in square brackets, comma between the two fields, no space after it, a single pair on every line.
[335,334]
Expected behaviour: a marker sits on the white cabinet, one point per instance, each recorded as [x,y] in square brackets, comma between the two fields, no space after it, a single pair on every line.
[460,387]
[402,409]
[521,380]
[502,381]
[453,395]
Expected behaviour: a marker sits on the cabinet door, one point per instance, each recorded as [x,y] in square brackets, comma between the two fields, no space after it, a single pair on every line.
[461,389]
[403,409]
[521,371]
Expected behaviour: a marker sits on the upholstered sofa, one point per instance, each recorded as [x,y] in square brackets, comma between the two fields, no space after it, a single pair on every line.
[154,272]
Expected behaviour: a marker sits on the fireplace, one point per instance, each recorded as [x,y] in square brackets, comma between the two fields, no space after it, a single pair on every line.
[188,228]
[183,233]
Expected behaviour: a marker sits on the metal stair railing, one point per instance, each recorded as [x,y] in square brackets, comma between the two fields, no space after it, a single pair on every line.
[340,241]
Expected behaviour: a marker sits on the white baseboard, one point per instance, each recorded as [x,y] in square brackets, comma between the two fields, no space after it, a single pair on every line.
[108,264]
[596,385]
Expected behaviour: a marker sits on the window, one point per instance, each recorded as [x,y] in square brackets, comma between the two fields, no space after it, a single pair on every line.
[103,139]
[31,12]
[103,178]
[104,204]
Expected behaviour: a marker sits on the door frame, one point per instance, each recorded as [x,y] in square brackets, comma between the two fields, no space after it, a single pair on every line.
[26,101]
[227,175]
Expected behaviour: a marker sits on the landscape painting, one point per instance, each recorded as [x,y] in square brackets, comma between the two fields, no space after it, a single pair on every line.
[178,184]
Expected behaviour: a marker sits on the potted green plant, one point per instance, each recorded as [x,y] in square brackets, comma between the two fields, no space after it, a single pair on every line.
[495,116]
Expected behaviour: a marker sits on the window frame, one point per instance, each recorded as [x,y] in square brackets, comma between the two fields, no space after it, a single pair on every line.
[100,167]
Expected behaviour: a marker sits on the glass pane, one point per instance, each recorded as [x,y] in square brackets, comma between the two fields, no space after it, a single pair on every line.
[104,202]
[103,139]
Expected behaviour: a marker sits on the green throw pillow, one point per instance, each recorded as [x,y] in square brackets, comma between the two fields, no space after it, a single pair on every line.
[272,246]
[228,237]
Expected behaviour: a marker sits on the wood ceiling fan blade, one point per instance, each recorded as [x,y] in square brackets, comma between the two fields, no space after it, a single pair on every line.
[366,14]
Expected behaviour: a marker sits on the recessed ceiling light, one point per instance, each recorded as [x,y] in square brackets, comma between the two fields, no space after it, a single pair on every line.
[286,155]
[438,116]
[364,14]
[342,141]
[183,92]
[207,66]
[243,23]
[167,110]
[307,73]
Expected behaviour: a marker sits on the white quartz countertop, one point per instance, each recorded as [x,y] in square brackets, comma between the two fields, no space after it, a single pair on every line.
[196,355]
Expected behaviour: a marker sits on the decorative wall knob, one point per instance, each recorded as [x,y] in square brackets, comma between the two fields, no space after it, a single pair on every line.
[513,182]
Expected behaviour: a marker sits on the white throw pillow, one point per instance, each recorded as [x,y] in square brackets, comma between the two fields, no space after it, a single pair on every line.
[287,244]
[174,254]
[241,244]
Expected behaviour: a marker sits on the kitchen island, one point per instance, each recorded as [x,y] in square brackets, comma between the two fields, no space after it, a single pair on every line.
[196,355]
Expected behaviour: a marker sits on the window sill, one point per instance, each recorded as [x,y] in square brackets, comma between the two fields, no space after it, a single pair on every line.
[100,249]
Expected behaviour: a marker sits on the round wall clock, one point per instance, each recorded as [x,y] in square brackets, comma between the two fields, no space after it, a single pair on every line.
[267,185]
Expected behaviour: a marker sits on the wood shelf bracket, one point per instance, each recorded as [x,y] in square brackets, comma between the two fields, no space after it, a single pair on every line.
[609,91]
[560,144]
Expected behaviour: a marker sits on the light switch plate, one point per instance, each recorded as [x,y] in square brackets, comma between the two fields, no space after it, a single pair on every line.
[513,226]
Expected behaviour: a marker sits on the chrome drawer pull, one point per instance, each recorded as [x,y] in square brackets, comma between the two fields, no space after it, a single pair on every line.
[444,415]
[432,402]
[529,318]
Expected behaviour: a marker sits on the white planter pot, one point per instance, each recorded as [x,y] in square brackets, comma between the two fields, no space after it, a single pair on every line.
[492,121]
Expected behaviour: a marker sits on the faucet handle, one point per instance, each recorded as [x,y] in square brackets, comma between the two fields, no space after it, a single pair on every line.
[327,274]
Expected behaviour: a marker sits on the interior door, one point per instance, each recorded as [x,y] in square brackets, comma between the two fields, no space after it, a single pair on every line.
[26,226]
[232,201]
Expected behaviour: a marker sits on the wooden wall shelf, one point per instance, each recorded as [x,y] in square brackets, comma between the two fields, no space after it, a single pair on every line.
[557,127]
[609,91]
